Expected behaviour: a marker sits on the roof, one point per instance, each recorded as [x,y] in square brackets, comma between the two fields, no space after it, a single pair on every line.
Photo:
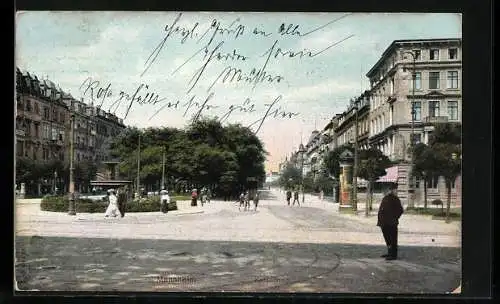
[395,43]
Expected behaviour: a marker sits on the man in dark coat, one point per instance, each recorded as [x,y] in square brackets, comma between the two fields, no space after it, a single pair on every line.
[296,197]
[389,212]
[288,196]
[122,201]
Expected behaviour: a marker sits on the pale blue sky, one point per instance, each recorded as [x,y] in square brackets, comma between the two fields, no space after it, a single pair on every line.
[112,47]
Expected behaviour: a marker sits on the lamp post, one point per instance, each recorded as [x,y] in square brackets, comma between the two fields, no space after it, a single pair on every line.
[138,181]
[163,170]
[302,150]
[412,134]
[72,209]
[334,188]
[355,169]
[55,182]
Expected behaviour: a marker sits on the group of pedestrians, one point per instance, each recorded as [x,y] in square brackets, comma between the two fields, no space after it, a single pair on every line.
[295,197]
[205,195]
[245,197]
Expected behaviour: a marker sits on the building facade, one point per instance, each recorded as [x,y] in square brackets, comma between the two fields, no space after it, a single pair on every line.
[401,106]
[43,125]
[41,119]
[436,93]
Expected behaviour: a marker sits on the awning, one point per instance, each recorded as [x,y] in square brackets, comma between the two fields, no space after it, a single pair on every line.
[391,175]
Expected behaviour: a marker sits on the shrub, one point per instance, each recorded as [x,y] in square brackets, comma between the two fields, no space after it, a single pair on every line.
[437,202]
[61,204]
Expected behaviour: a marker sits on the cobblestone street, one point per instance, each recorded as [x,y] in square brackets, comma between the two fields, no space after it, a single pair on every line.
[277,248]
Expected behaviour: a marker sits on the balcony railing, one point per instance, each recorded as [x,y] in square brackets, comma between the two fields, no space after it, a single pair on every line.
[436,119]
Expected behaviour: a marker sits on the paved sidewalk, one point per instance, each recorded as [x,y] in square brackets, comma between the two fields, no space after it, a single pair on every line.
[223,221]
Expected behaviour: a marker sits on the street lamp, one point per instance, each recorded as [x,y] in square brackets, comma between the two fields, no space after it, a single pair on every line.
[138,165]
[334,189]
[412,134]
[302,150]
[72,209]
[355,169]
[55,182]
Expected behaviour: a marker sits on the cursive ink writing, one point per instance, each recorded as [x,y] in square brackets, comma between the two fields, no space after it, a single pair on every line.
[200,106]
[291,54]
[257,31]
[172,29]
[272,112]
[247,107]
[293,29]
[167,105]
[216,28]
[96,91]
[212,55]
[255,76]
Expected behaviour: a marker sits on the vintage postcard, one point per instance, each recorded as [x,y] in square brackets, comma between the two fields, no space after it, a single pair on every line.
[238,152]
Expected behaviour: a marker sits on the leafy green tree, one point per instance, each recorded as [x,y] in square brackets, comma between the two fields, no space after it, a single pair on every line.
[205,153]
[446,133]
[372,166]
[425,164]
[446,143]
[331,162]
[290,177]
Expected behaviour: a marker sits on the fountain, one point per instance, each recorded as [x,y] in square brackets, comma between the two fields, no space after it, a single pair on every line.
[108,179]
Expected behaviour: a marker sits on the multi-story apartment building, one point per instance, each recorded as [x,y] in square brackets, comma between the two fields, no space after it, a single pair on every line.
[41,119]
[345,131]
[312,152]
[437,89]
[43,125]
[107,126]
[435,93]
[329,130]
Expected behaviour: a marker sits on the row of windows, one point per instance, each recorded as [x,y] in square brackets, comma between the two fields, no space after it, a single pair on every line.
[434,54]
[435,109]
[32,151]
[435,80]
[434,84]
[29,106]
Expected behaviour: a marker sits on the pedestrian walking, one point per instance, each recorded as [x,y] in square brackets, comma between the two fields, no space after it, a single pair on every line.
[209,195]
[112,209]
[296,197]
[321,195]
[194,198]
[288,196]
[247,200]
[164,200]
[122,201]
[241,200]
[389,212]
[256,199]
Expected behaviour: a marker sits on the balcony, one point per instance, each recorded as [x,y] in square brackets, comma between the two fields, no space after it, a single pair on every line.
[436,119]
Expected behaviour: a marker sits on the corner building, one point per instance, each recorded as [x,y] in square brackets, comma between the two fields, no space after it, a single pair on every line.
[437,97]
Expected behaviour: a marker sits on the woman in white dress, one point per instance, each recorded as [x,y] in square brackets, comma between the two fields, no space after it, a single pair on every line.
[112,209]
[164,200]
